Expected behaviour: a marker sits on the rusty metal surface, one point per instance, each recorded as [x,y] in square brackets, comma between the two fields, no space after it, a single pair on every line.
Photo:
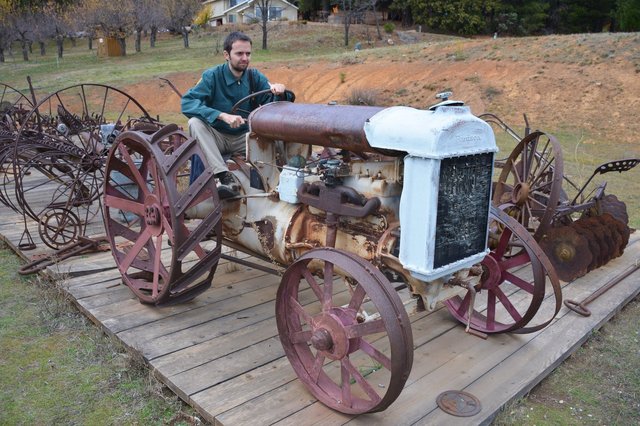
[568,251]
[335,126]
[340,325]
[147,195]
[459,403]
[581,307]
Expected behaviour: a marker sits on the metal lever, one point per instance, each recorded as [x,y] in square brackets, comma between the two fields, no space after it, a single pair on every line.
[580,307]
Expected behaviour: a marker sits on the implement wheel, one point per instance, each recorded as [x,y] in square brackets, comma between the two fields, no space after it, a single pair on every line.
[162,257]
[530,184]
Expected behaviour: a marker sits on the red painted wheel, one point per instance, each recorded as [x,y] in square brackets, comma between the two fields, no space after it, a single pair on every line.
[351,344]
[163,257]
[530,184]
[512,286]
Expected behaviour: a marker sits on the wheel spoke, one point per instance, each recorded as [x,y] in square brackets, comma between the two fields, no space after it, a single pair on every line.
[519,282]
[140,243]
[375,354]
[156,265]
[327,297]
[507,304]
[316,368]
[365,328]
[360,380]
[312,283]
[135,173]
[297,307]
[491,310]
[357,298]
[517,260]
[303,336]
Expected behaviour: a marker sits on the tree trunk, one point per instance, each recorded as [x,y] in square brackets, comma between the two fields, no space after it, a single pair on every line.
[138,39]
[73,41]
[60,45]
[185,38]
[1,54]
[25,51]
[347,23]
[122,41]
[375,15]
[90,42]
[43,48]
[152,39]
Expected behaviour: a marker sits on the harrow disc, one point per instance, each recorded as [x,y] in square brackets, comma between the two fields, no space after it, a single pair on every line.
[568,251]
[163,257]
[531,182]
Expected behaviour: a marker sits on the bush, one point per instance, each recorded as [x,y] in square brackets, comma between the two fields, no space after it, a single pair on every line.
[389,27]
[363,97]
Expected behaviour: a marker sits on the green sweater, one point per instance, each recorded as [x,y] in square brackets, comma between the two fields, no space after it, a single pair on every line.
[217,91]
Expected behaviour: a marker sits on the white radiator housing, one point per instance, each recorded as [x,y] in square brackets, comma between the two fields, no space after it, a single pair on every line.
[447,185]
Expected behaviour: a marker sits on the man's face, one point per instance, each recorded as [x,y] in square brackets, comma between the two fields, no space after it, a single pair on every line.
[239,56]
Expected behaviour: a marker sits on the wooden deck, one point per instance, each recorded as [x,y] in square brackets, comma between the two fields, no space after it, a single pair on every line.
[221,353]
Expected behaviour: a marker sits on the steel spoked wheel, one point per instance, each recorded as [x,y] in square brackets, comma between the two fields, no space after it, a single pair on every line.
[59,227]
[344,330]
[530,184]
[163,257]
[512,287]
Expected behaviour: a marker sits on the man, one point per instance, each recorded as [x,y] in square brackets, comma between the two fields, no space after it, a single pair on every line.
[208,105]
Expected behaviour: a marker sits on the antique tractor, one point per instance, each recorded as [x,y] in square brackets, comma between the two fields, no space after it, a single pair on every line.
[369,209]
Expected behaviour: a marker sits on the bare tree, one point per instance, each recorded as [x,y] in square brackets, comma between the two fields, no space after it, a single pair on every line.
[354,10]
[147,16]
[5,30]
[23,24]
[180,15]
[266,15]
[58,23]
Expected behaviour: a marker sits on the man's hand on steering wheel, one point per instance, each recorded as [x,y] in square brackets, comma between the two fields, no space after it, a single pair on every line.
[284,94]
[277,88]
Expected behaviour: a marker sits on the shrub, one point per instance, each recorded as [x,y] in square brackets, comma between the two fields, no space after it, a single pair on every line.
[389,27]
[363,97]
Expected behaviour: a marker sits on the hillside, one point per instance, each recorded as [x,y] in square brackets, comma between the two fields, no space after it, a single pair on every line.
[582,88]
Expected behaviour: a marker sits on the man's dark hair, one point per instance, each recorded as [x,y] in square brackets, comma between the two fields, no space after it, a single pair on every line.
[232,38]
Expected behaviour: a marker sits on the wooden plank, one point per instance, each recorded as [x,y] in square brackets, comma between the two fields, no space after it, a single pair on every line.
[534,361]
[213,303]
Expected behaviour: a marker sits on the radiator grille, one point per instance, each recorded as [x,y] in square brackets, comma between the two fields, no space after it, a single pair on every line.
[463,207]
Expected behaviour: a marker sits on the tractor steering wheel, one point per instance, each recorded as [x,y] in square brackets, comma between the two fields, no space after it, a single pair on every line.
[288,94]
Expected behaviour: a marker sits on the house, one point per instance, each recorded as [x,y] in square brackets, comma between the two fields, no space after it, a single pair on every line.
[248,11]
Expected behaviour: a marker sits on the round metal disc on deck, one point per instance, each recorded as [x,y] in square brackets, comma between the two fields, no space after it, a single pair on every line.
[459,403]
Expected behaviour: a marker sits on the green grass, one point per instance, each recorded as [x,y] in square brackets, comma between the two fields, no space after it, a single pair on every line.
[599,384]
[81,65]
[57,368]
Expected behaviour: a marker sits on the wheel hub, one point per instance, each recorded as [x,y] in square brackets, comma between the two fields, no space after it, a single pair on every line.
[329,334]
[153,215]
[491,272]
[520,193]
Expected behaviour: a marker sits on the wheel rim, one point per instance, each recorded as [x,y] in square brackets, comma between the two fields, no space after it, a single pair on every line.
[162,256]
[353,349]
[503,307]
[531,182]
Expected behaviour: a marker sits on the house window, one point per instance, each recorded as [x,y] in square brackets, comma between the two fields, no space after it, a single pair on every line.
[231,18]
[274,13]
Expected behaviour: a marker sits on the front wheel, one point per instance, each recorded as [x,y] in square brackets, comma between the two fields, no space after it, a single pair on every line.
[350,344]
